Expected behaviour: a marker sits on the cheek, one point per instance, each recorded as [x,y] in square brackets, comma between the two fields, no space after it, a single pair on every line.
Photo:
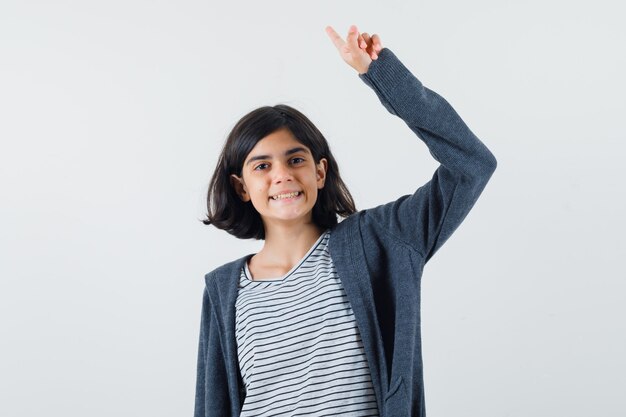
[314,194]
[260,193]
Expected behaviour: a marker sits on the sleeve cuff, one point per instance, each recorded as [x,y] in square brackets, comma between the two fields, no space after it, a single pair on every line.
[387,71]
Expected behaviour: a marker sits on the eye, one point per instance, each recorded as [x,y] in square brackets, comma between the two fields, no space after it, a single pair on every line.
[296,160]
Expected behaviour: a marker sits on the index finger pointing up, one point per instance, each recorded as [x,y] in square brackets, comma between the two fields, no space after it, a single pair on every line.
[334,36]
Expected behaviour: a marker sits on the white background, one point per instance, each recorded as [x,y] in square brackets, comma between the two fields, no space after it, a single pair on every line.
[112,115]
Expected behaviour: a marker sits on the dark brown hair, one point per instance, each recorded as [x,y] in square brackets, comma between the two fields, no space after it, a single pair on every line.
[226,210]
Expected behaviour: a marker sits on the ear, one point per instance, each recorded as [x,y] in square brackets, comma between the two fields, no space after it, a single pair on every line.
[240,187]
[320,172]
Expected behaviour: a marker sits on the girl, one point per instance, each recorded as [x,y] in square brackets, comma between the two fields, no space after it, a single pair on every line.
[325,319]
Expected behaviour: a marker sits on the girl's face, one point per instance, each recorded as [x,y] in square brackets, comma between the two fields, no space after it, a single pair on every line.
[281,178]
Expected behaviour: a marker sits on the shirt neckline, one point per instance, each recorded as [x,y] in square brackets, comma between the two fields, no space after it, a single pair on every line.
[248,274]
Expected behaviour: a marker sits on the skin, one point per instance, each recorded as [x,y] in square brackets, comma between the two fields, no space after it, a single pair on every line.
[358,50]
[289,229]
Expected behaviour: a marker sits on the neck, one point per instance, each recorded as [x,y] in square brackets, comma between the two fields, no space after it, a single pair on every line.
[287,244]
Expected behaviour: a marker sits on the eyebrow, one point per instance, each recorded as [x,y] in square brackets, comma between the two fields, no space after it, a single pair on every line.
[287,153]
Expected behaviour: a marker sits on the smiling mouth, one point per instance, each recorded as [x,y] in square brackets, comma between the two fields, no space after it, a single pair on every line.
[286,196]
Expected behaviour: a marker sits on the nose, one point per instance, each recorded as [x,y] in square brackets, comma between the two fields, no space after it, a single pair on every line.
[282,172]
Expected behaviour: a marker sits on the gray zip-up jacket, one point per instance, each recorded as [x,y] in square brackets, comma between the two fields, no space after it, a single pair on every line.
[379,254]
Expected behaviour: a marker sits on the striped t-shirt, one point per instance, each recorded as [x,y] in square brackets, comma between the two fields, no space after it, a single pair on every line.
[299,349]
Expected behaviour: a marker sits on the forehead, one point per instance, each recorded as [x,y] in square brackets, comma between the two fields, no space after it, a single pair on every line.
[275,144]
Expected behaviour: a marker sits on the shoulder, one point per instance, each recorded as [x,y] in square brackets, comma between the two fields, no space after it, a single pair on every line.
[346,233]
[347,224]
[225,270]
[359,221]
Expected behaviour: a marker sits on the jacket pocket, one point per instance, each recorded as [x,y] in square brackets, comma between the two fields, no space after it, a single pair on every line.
[396,400]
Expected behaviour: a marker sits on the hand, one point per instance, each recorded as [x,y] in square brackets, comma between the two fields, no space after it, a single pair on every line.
[358,50]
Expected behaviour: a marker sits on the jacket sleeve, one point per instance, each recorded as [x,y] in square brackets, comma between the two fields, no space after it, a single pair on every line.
[428,217]
[211,386]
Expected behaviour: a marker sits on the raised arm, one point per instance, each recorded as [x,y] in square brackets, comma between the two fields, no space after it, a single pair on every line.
[425,219]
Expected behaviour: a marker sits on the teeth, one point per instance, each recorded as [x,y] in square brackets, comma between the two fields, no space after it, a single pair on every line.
[281,196]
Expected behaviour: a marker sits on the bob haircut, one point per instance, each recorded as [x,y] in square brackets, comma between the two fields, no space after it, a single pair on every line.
[226,210]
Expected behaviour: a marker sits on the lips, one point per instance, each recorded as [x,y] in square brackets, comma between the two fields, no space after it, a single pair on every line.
[285,195]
